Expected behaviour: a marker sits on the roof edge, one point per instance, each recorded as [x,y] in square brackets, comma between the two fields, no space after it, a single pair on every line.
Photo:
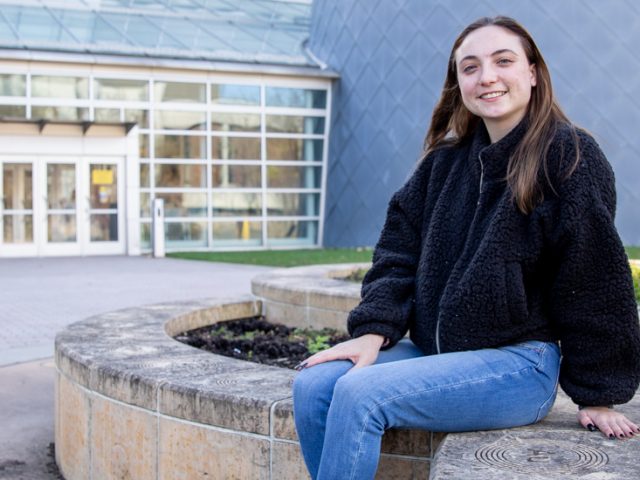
[160,62]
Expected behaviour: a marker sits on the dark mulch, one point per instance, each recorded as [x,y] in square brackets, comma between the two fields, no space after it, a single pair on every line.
[260,341]
[52,467]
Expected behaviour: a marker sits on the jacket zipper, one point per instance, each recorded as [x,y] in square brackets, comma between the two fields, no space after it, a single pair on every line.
[479,195]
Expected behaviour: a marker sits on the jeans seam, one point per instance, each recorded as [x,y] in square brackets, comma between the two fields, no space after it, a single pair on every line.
[378,405]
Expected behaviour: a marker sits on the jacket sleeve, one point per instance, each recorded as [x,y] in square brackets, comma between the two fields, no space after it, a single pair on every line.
[388,287]
[592,300]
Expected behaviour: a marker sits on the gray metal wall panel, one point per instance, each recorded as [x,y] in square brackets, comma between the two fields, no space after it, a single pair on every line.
[391,55]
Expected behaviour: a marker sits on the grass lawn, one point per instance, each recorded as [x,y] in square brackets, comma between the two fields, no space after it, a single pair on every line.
[283,258]
[633,252]
[294,258]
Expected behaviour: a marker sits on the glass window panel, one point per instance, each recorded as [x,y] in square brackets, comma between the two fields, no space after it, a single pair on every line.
[59,87]
[236,204]
[183,234]
[236,176]
[295,124]
[18,228]
[235,148]
[141,117]
[235,122]
[179,92]
[144,145]
[61,228]
[227,94]
[12,85]
[184,204]
[294,177]
[293,232]
[17,186]
[17,111]
[180,175]
[179,120]
[104,227]
[180,146]
[293,204]
[103,192]
[70,114]
[294,149]
[295,97]
[145,205]
[61,186]
[145,235]
[120,89]
[239,233]
[144,176]
[106,115]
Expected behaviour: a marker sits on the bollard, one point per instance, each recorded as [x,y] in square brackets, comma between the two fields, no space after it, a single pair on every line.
[157,231]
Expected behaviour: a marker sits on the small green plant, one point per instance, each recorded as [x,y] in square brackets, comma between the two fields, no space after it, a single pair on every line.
[635,273]
[249,335]
[318,343]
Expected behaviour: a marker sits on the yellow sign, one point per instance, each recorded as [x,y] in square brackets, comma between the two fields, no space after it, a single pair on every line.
[102,177]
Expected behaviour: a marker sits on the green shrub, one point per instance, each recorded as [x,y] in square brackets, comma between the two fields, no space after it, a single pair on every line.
[635,272]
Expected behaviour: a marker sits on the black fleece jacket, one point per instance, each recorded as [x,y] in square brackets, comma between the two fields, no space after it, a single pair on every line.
[461,268]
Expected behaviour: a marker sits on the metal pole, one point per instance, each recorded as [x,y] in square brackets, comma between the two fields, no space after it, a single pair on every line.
[157,235]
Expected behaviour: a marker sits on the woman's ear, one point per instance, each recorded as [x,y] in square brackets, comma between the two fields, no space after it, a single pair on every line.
[534,76]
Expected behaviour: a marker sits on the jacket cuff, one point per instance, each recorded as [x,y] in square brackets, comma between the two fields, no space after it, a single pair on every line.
[391,336]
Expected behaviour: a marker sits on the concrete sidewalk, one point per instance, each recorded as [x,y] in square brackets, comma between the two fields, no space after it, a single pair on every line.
[40,296]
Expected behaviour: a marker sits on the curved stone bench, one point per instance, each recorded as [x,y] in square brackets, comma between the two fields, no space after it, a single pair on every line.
[131,402]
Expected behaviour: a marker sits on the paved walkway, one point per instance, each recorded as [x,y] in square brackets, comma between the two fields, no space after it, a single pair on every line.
[39,296]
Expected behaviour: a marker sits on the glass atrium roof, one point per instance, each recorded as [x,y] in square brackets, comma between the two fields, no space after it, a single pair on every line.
[248,31]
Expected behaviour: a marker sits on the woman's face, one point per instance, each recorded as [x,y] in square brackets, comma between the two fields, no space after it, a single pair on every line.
[495,78]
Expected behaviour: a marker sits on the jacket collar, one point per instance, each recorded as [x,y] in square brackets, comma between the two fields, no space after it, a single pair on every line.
[495,156]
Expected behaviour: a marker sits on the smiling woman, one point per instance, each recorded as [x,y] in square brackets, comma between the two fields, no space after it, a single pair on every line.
[499,249]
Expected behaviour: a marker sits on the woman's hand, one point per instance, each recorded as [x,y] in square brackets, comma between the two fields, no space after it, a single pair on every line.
[362,351]
[608,421]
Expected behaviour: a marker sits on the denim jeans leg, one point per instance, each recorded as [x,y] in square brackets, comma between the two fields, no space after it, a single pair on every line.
[462,391]
[312,394]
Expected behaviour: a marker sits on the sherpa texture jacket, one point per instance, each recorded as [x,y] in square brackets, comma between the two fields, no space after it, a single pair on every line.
[460,267]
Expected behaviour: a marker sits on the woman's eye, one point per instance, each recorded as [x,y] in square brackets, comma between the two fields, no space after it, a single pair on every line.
[504,61]
[468,68]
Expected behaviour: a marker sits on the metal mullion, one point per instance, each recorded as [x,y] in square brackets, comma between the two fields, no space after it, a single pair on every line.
[263,164]
[296,111]
[186,133]
[302,136]
[208,167]
[28,94]
[220,133]
[13,100]
[324,166]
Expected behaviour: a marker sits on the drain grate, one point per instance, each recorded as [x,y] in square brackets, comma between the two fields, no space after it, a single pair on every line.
[550,457]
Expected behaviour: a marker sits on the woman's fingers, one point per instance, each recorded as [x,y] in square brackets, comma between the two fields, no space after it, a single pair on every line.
[612,424]
[360,351]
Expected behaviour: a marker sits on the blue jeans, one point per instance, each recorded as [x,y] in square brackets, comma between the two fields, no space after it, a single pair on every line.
[340,418]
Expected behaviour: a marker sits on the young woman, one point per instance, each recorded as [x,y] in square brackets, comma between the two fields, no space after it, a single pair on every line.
[498,256]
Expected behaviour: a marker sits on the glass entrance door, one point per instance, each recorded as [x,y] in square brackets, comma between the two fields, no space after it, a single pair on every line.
[61,216]
[104,189]
[62,206]
[17,207]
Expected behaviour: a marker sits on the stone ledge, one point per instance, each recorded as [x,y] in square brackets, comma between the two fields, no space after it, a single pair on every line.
[557,447]
[316,294]
[127,393]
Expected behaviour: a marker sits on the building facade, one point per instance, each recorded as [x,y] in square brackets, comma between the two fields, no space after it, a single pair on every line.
[392,57]
[261,123]
[233,140]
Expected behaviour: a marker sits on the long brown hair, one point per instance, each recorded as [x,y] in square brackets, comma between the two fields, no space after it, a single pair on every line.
[451,122]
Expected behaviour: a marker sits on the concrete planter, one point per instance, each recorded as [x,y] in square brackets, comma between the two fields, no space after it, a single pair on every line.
[132,403]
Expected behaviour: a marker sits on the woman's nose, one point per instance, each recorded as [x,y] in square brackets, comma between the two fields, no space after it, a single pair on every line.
[488,76]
